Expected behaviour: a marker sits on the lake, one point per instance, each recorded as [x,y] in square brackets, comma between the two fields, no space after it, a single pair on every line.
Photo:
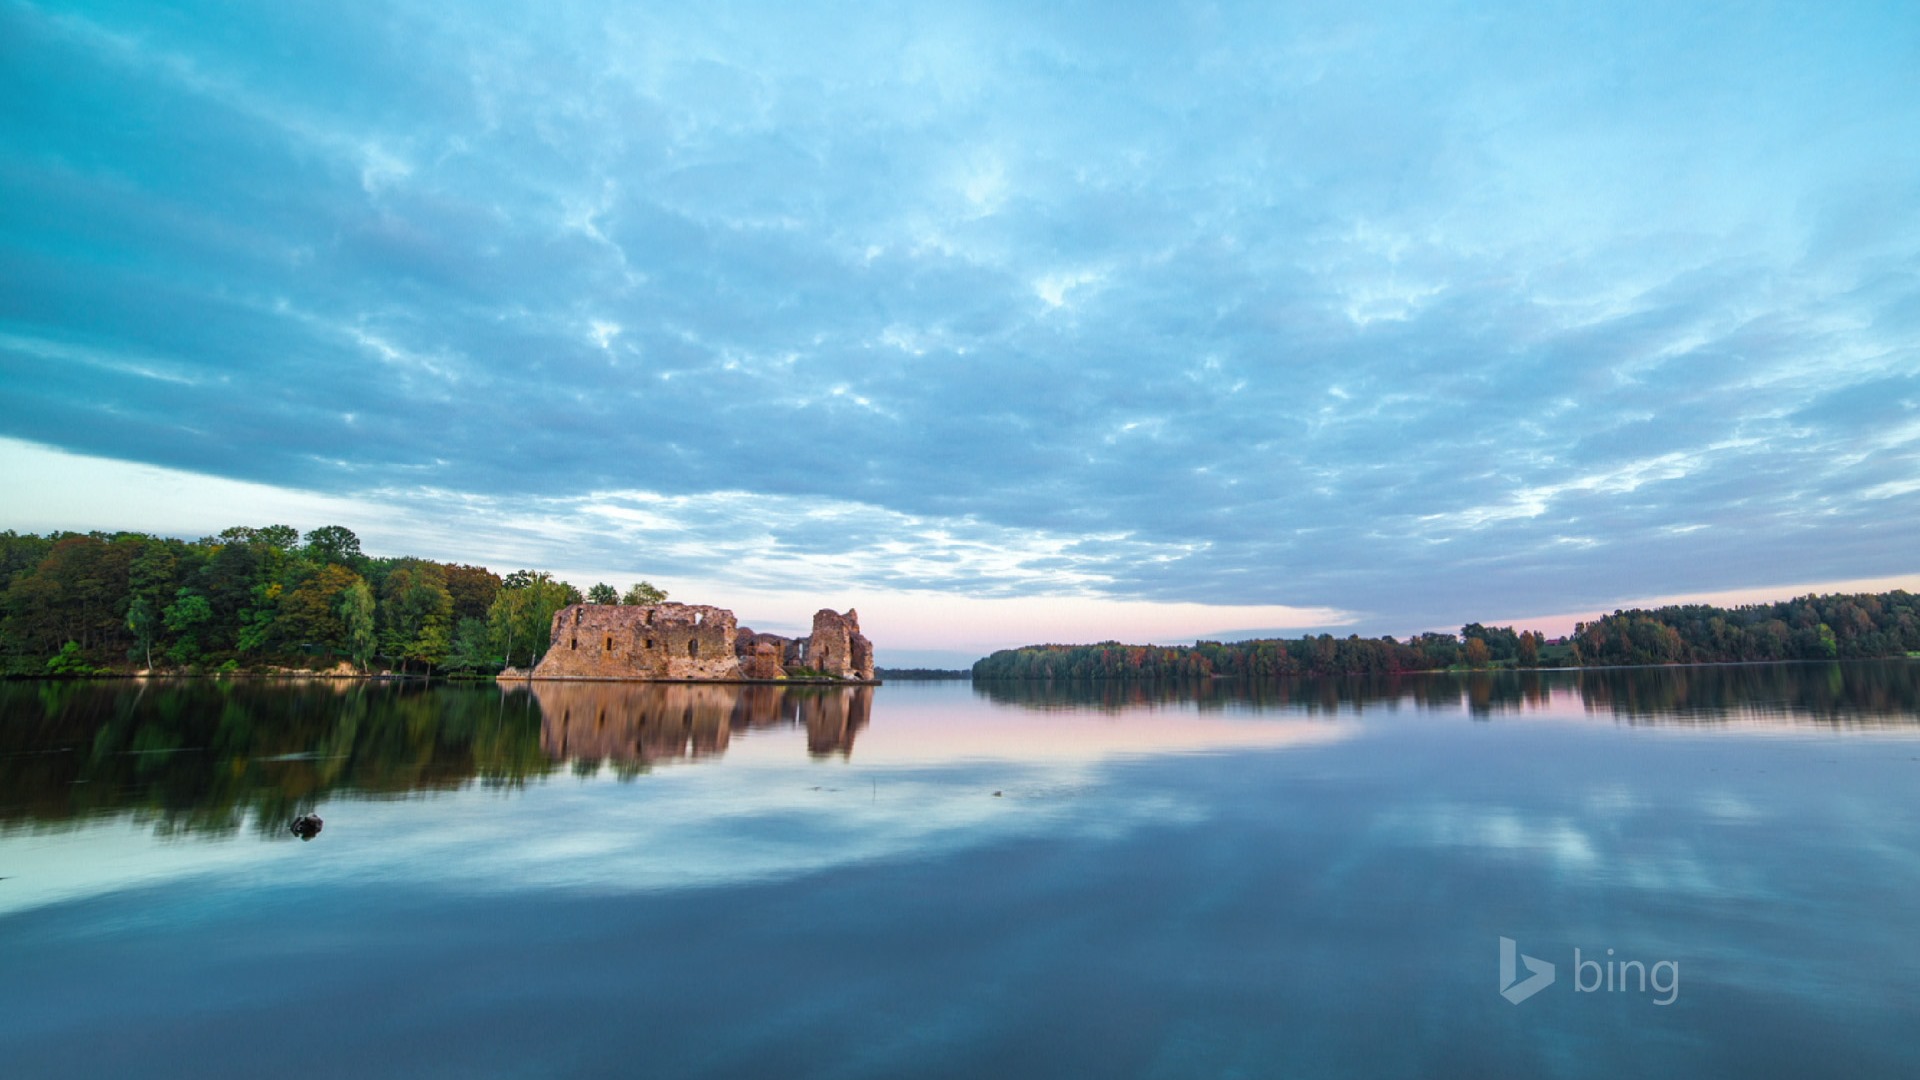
[1698,871]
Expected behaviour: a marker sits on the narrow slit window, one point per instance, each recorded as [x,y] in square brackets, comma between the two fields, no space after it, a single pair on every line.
[693,649]
[573,643]
[609,642]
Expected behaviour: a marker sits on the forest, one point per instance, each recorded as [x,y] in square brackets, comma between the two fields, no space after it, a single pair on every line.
[1833,627]
[263,599]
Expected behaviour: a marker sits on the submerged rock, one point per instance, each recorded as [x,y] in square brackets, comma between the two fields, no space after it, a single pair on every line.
[307,826]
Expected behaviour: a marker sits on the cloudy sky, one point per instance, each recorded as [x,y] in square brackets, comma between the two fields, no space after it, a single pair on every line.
[1005,323]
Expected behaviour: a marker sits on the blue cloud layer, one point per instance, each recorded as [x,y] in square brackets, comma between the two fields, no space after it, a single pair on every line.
[1422,312]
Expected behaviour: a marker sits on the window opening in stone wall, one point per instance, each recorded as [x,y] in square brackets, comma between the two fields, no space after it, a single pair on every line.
[609,642]
[573,643]
[693,649]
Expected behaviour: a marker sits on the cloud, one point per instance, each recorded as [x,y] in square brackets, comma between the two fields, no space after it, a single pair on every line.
[1394,313]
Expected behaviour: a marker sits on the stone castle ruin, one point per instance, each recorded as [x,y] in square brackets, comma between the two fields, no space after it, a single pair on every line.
[696,643]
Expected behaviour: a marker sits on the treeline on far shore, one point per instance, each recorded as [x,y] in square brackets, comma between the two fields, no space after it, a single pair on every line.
[266,599]
[1832,627]
[919,674]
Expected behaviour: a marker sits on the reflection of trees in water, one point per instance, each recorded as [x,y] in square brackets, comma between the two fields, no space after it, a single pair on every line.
[202,755]
[1865,693]
[636,725]
[1310,694]
[1868,693]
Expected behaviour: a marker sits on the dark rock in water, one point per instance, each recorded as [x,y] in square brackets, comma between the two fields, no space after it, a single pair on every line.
[307,826]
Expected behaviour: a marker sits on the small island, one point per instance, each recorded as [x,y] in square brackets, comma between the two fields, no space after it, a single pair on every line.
[668,642]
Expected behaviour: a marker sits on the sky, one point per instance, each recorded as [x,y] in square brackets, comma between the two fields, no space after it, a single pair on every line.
[1004,323]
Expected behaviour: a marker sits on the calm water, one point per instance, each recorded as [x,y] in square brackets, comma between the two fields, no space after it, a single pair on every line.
[1309,879]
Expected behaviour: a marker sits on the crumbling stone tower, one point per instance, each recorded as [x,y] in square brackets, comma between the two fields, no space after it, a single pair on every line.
[837,647]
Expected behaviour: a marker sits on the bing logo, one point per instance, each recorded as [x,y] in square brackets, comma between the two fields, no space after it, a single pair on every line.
[1539,973]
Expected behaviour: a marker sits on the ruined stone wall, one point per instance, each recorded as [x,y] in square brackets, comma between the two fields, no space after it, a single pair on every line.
[761,655]
[837,647]
[658,641]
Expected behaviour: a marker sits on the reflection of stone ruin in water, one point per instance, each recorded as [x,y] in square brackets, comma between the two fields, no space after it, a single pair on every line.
[641,725]
[695,643]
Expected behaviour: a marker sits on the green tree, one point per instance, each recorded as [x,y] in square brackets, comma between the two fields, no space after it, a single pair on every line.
[145,623]
[471,646]
[357,618]
[187,619]
[259,618]
[603,593]
[415,612]
[644,594]
[1825,646]
[521,618]
[277,537]
[69,661]
[334,544]
[151,579]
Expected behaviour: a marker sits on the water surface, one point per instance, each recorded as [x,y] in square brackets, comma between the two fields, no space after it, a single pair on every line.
[1307,878]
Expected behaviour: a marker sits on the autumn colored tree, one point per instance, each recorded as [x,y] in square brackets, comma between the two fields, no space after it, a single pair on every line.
[1530,649]
[472,588]
[311,613]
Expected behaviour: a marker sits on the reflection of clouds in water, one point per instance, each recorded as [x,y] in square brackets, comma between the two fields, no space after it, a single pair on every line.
[1602,851]
[1613,800]
[1495,830]
[679,829]
[1727,807]
[723,827]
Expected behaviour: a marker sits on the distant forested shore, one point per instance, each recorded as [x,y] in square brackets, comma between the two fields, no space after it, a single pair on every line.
[266,599]
[270,599]
[1834,627]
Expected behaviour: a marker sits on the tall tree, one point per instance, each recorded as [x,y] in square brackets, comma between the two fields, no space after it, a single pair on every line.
[357,616]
